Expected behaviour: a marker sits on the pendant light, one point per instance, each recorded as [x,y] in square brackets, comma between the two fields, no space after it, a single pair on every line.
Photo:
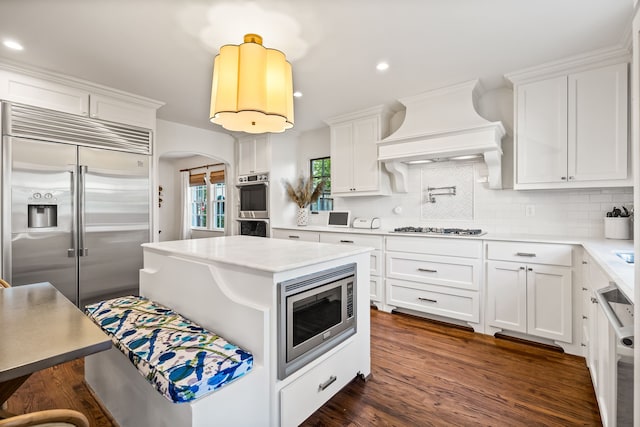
[252,89]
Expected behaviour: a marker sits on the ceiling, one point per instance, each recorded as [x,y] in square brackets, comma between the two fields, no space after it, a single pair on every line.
[164,49]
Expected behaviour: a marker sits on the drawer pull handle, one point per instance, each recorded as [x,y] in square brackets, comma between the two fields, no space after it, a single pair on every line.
[327,383]
[427,299]
[346,241]
[427,270]
[527,254]
[294,237]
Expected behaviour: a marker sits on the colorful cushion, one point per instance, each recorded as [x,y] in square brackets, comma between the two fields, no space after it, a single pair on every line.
[181,359]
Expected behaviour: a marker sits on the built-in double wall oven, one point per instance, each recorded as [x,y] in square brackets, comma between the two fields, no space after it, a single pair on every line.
[253,212]
[315,313]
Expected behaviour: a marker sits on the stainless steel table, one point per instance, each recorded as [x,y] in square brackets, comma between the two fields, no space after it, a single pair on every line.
[40,328]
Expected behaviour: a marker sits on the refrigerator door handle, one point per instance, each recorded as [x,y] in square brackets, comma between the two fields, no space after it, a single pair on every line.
[71,252]
[82,251]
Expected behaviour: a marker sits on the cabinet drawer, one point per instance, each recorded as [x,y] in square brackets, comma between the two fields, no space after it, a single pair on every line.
[307,236]
[531,253]
[307,393]
[461,273]
[448,302]
[457,247]
[352,239]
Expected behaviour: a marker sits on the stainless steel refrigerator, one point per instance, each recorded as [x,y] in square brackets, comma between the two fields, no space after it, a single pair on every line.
[77,191]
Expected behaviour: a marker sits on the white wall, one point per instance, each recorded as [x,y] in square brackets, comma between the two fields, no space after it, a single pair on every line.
[173,139]
[566,212]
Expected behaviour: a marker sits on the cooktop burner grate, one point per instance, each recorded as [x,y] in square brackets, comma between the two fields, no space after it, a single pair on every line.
[446,231]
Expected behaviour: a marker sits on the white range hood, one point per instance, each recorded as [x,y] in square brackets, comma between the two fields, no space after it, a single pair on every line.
[439,125]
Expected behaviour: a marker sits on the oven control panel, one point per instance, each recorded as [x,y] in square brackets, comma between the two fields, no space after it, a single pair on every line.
[248,179]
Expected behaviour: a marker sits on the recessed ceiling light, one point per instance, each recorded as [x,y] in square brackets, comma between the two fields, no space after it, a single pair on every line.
[12,44]
[382,66]
[297,94]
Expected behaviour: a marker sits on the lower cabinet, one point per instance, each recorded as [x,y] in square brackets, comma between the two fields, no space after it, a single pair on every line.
[529,289]
[436,276]
[530,298]
[600,341]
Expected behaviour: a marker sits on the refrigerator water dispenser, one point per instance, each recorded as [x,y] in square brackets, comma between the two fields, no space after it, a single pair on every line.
[42,216]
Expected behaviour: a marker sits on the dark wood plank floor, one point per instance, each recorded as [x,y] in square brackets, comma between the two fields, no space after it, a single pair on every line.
[424,373]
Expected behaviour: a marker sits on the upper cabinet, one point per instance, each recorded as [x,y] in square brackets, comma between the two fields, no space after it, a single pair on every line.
[254,155]
[572,128]
[355,169]
[76,97]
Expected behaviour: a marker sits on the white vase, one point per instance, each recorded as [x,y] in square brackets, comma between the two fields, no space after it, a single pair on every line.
[302,218]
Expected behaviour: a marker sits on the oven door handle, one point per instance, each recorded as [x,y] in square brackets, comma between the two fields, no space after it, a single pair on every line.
[623,332]
[245,184]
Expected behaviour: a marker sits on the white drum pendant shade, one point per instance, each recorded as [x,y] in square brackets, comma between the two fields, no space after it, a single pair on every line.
[252,89]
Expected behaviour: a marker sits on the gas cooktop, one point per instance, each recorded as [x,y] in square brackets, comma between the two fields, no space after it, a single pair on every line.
[444,231]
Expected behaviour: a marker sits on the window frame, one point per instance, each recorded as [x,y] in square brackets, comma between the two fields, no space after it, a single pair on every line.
[326,193]
[211,206]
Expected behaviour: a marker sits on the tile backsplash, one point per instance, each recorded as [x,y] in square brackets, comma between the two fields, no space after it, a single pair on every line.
[447,193]
[578,212]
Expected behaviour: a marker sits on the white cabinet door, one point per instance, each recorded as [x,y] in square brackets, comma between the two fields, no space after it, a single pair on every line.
[606,369]
[254,155]
[119,111]
[366,168]
[42,93]
[342,158]
[507,295]
[597,133]
[549,302]
[541,151]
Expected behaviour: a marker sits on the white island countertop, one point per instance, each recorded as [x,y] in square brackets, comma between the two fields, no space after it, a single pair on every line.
[273,255]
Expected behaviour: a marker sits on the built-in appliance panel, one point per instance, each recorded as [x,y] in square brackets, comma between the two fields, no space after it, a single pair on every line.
[316,386]
[535,253]
[457,272]
[300,235]
[455,246]
[442,301]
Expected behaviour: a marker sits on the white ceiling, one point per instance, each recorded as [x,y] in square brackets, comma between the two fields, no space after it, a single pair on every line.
[163,49]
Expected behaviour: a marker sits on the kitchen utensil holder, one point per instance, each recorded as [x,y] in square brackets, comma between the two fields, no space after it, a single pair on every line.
[617,228]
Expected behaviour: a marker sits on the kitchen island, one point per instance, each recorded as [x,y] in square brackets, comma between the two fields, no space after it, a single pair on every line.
[231,285]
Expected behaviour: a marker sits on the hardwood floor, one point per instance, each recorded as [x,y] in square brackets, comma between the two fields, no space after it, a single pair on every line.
[424,373]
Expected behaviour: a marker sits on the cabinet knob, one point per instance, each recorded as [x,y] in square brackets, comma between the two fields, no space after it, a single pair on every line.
[564,178]
[584,317]
[585,262]
[583,344]
[585,289]
[521,268]
[529,269]
[572,177]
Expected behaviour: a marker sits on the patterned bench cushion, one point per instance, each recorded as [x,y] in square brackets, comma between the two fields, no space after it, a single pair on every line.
[181,359]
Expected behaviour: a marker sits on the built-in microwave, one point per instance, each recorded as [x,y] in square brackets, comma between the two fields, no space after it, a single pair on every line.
[253,196]
[315,313]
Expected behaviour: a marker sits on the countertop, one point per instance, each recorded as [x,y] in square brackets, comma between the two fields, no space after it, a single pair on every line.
[601,250]
[273,255]
[41,328]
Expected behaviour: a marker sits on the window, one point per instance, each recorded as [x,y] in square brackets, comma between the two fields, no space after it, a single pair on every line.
[321,171]
[199,206]
[207,201]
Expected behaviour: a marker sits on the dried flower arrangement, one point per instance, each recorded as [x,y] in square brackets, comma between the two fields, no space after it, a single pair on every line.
[303,194]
